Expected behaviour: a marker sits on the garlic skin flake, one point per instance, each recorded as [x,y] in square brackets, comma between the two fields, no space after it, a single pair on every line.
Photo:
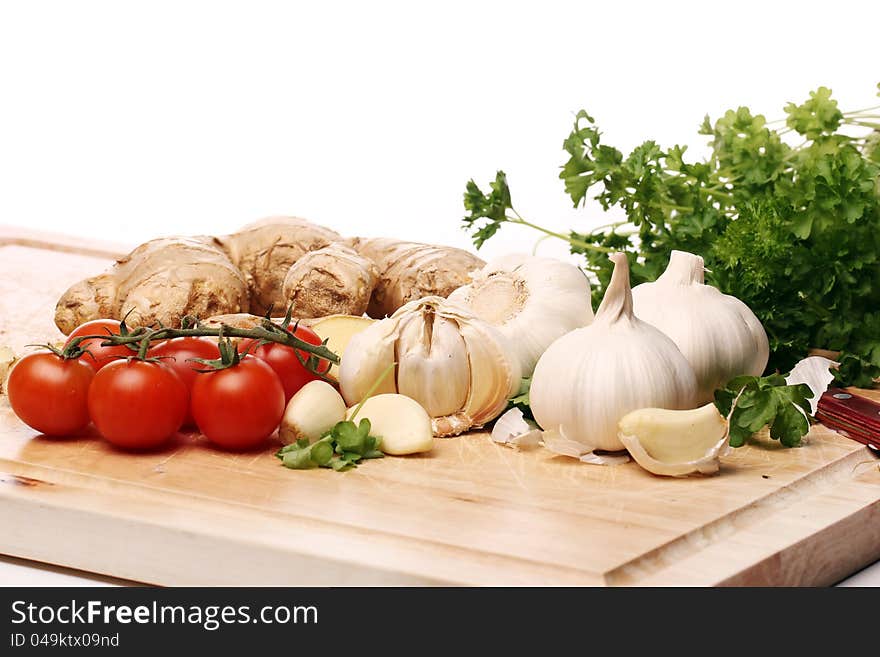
[531,300]
[514,430]
[676,443]
[591,377]
[718,334]
[459,368]
[815,371]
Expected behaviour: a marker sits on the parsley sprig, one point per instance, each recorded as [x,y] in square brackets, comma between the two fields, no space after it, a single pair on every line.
[793,231]
[757,402]
[341,448]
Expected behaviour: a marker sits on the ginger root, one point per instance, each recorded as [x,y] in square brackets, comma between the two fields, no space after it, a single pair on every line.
[409,271]
[330,281]
[271,263]
[160,281]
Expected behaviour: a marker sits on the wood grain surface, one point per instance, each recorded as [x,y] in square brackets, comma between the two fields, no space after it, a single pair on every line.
[470,513]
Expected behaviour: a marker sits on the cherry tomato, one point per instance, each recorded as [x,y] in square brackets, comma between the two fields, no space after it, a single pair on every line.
[49,393]
[137,404]
[99,356]
[240,406]
[293,374]
[176,354]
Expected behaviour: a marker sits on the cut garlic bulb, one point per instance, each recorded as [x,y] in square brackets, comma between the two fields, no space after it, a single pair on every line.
[458,367]
[590,378]
[531,300]
[675,443]
[717,333]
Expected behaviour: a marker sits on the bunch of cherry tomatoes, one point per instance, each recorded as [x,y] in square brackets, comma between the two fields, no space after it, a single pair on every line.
[137,403]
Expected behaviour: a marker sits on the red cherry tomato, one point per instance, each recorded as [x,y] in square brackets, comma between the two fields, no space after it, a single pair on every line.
[137,404]
[97,355]
[293,374]
[238,407]
[49,393]
[177,353]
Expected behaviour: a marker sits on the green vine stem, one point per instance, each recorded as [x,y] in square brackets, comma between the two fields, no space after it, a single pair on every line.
[143,337]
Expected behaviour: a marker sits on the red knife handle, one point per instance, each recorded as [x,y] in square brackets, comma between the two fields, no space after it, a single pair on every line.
[852,415]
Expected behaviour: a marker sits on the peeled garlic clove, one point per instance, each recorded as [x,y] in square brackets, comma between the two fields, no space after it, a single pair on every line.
[531,300]
[718,334]
[311,412]
[675,443]
[400,422]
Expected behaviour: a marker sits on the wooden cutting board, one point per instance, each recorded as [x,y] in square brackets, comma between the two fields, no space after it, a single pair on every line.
[471,512]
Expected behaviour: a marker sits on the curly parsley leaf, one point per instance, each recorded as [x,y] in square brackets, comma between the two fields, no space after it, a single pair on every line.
[341,448]
[753,402]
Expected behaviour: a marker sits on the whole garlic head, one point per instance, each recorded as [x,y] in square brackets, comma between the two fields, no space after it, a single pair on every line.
[717,333]
[458,367]
[591,377]
[531,300]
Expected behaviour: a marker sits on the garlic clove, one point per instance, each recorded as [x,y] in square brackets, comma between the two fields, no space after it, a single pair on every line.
[367,356]
[494,375]
[432,363]
[400,422]
[676,443]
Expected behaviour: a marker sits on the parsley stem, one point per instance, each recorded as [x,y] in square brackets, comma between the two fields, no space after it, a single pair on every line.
[516,219]
[372,389]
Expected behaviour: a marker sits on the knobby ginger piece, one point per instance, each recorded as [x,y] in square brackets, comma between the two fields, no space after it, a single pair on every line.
[330,281]
[159,282]
[409,271]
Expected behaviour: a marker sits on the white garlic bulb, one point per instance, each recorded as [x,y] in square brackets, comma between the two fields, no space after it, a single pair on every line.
[717,333]
[531,300]
[458,367]
[591,377]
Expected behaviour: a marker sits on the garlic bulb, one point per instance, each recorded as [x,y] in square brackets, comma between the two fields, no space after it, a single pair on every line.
[532,301]
[590,378]
[717,333]
[458,367]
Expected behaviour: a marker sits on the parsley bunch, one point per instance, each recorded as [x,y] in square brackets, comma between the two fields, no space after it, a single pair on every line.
[792,231]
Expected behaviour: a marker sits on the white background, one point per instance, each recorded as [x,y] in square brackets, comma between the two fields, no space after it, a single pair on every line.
[130,120]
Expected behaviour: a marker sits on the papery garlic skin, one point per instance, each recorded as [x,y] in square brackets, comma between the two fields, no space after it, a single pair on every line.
[459,368]
[718,334]
[591,377]
[530,299]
